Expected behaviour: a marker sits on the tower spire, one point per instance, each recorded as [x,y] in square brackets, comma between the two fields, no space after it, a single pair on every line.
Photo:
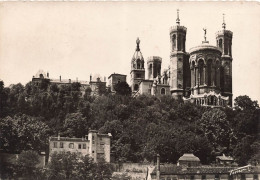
[224,24]
[137,44]
[178,19]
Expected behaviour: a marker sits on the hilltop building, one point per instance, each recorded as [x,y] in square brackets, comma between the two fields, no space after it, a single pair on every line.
[202,76]
[95,145]
[94,83]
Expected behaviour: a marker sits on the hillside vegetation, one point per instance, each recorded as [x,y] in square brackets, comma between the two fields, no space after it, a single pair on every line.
[141,127]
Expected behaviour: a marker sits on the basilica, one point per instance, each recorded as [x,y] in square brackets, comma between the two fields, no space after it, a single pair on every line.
[201,76]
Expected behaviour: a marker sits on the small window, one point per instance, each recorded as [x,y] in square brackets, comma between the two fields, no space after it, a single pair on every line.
[230,177]
[61,144]
[192,177]
[162,91]
[255,177]
[243,177]
[93,142]
[217,177]
[93,137]
[93,151]
[203,177]
[136,87]
[79,146]
[84,146]
[71,145]
[55,144]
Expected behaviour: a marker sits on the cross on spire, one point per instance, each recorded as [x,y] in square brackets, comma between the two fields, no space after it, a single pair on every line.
[224,24]
[178,19]
[205,33]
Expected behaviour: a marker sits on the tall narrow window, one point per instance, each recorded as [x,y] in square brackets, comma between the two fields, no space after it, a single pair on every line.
[217,177]
[209,72]
[61,144]
[136,87]
[162,91]
[220,43]
[201,76]
[174,42]
[55,144]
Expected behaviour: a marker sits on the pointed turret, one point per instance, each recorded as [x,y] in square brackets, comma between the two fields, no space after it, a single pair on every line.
[137,68]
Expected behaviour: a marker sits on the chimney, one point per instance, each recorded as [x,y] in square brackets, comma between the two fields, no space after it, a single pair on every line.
[58,136]
[104,78]
[76,79]
[98,79]
[90,78]
[60,78]
[158,168]
[47,74]
[69,80]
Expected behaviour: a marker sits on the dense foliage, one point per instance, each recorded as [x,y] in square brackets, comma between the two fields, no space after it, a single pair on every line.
[141,127]
[63,165]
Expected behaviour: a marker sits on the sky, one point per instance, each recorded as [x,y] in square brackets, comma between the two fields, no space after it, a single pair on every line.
[76,39]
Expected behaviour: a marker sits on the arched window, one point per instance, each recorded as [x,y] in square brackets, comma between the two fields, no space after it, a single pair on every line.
[138,64]
[71,145]
[41,76]
[136,87]
[201,73]
[209,72]
[179,43]
[220,43]
[163,91]
[174,42]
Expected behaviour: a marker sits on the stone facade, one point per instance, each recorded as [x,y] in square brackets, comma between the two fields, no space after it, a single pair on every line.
[204,74]
[95,145]
[113,79]
[93,84]
[189,167]
[156,84]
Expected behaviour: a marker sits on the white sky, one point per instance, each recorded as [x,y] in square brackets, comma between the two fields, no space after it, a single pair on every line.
[76,39]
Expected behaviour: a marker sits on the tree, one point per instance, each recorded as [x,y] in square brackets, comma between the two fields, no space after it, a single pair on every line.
[62,165]
[245,103]
[27,162]
[76,125]
[3,100]
[216,128]
[122,88]
[67,165]
[23,132]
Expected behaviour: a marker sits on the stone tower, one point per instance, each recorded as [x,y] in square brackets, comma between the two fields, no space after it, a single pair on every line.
[154,67]
[137,68]
[224,42]
[179,61]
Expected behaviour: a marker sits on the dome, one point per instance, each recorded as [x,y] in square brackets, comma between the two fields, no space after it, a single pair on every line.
[205,46]
[138,55]
[189,157]
[40,74]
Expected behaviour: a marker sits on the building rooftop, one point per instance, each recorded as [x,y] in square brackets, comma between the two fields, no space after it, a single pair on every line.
[189,157]
[204,46]
[225,158]
[116,74]
[68,139]
[171,169]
